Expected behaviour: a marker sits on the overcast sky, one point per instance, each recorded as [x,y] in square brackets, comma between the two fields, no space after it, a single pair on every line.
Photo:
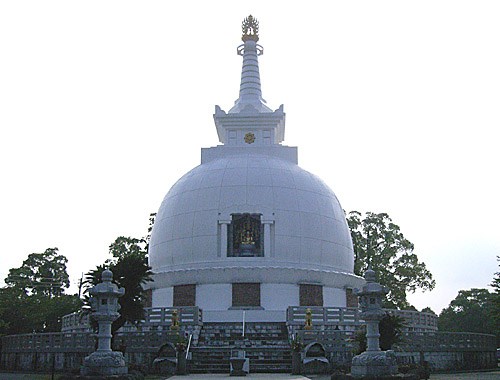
[394,104]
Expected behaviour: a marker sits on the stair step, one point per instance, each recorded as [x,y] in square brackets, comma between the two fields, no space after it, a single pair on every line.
[266,345]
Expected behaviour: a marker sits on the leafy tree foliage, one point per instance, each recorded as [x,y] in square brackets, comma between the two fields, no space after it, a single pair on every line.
[496,300]
[42,274]
[380,243]
[26,314]
[33,300]
[470,311]
[152,218]
[428,310]
[129,264]
[390,329]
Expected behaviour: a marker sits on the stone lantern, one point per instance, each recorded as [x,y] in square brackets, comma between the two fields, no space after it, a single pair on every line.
[104,302]
[373,362]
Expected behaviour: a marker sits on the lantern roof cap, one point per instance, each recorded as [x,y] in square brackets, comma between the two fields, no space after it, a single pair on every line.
[107,275]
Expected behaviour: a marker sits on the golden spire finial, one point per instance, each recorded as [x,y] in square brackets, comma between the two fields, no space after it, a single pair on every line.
[250,28]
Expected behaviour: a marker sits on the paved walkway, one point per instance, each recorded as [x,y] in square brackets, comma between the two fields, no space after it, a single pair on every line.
[260,376]
[494,375]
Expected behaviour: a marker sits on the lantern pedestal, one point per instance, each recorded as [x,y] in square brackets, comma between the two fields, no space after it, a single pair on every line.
[374,363]
[104,364]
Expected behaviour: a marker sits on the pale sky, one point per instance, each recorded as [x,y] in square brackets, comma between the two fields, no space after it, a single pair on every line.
[394,104]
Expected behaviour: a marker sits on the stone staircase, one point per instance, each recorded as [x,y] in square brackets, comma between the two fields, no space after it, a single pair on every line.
[265,344]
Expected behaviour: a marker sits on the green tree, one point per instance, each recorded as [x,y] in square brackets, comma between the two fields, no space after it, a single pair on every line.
[129,264]
[380,243]
[470,311]
[27,314]
[33,299]
[40,274]
[390,329]
[428,310]
[496,301]
[152,218]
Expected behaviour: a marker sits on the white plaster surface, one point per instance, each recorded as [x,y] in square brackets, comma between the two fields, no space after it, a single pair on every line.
[278,296]
[163,297]
[213,297]
[334,297]
[250,316]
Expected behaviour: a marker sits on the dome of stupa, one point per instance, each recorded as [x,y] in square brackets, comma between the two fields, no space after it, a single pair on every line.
[310,228]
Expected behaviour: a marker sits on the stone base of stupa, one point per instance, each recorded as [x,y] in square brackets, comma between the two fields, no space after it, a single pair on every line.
[374,364]
[107,363]
[399,376]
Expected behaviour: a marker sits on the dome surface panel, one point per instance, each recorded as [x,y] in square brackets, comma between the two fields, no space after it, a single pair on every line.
[213,178]
[260,195]
[233,196]
[285,198]
[207,199]
[282,178]
[310,250]
[235,177]
[202,225]
[259,176]
[285,223]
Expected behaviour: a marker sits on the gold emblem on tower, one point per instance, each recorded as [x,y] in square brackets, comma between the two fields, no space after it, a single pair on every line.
[249,138]
[250,28]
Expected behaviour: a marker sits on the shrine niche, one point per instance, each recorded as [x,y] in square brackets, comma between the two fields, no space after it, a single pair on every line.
[245,236]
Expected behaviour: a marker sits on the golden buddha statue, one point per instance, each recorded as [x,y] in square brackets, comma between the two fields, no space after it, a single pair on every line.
[247,238]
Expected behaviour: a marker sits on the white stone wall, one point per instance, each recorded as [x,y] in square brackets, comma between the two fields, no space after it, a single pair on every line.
[214,296]
[163,297]
[334,297]
[278,296]
[273,297]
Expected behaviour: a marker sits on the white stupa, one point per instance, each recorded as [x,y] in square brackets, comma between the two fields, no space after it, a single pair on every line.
[248,229]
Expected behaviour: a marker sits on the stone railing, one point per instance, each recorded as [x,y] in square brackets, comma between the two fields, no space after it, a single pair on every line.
[162,316]
[416,320]
[75,322]
[84,342]
[154,318]
[49,342]
[138,341]
[324,316]
[447,341]
[411,341]
[444,351]
[66,351]
[333,340]
[346,318]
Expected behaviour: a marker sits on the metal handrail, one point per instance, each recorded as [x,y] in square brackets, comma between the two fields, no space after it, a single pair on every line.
[189,345]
